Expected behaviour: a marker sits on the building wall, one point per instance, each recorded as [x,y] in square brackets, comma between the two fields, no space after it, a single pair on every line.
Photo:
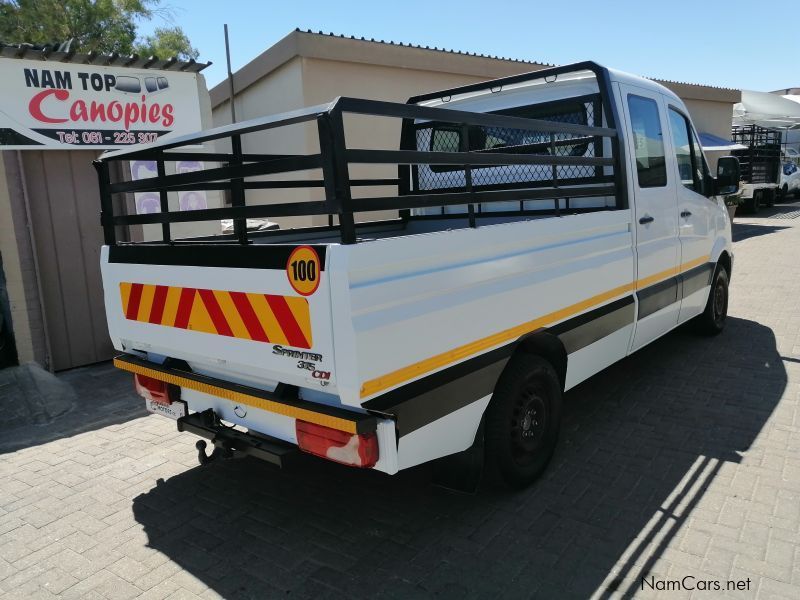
[19,265]
[63,199]
[712,117]
[281,92]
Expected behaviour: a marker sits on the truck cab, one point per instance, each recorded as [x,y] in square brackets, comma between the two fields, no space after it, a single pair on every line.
[547,225]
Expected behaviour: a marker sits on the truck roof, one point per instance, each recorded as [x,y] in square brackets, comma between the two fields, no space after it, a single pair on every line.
[570,72]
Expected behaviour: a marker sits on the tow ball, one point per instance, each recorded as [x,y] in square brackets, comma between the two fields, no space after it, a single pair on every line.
[220,451]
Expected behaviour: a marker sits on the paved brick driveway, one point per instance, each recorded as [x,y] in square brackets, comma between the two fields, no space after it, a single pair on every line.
[680,461]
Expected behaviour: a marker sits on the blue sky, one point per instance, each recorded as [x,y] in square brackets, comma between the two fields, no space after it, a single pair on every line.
[678,40]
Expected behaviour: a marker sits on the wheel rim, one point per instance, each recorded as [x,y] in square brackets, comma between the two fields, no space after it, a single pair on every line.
[528,425]
[720,302]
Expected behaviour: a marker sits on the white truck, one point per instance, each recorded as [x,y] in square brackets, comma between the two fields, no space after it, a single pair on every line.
[790,174]
[548,225]
[759,164]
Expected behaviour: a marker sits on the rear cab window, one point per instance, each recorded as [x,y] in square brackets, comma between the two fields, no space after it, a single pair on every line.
[579,110]
[446,138]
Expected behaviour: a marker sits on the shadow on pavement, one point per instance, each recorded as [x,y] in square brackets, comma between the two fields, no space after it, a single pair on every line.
[69,403]
[640,445]
[781,210]
[743,231]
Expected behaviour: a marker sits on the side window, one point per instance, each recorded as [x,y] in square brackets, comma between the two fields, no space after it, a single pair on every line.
[648,142]
[683,149]
[688,153]
[699,163]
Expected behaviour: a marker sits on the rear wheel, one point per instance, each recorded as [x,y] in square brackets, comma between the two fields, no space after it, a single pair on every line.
[523,420]
[754,205]
[712,320]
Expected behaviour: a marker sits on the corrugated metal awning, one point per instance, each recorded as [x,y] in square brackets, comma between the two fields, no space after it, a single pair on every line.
[766,110]
[52,53]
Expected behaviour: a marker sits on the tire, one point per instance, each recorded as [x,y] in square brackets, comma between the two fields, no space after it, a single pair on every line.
[712,320]
[785,192]
[755,203]
[523,420]
[770,198]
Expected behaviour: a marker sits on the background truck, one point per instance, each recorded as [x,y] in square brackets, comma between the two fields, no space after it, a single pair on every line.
[547,225]
[760,165]
[790,173]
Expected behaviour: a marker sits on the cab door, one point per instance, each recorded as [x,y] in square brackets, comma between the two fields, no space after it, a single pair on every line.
[655,214]
[697,214]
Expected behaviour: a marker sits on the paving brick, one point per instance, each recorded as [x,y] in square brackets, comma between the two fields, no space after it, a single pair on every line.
[119,508]
[56,580]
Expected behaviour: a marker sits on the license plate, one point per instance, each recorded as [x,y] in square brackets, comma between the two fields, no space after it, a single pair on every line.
[176,410]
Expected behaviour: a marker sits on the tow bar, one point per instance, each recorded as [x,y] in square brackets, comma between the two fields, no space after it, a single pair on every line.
[229,442]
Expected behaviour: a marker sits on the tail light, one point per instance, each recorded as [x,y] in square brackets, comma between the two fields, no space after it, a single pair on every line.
[356,450]
[155,390]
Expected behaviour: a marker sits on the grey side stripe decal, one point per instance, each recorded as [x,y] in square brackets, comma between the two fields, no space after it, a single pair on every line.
[421,402]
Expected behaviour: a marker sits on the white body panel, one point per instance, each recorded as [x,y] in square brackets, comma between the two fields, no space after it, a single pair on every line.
[238,360]
[416,297]
[445,436]
[747,189]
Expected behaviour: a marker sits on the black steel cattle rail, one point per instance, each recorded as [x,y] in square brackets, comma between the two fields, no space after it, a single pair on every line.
[334,159]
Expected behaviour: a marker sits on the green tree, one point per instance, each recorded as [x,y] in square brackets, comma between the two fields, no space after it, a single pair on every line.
[103,26]
[167,42]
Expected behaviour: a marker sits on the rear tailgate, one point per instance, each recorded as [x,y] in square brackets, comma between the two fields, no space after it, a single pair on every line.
[255,314]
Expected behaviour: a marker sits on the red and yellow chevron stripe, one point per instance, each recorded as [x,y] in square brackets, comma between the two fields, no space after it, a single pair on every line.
[259,317]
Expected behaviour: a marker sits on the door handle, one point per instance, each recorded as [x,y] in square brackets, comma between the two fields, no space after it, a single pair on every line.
[646,219]
[686,214]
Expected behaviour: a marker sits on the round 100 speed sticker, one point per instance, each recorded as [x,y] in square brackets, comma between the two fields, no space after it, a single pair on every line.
[303,270]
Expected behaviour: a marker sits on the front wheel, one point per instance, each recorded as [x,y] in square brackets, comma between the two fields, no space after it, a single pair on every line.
[712,320]
[523,420]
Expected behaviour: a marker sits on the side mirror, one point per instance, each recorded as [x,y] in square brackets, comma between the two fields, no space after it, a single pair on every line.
[727,176]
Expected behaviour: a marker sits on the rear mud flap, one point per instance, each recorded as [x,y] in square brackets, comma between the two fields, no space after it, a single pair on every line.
[462,472]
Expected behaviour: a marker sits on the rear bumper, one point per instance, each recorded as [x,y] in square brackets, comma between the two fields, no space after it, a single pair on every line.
[746,190]
[270,416]
[283,401]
